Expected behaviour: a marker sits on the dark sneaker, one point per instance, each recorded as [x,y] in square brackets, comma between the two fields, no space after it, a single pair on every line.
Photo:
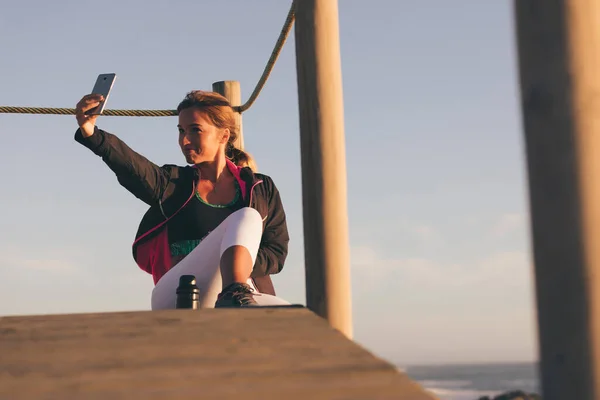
[236,295]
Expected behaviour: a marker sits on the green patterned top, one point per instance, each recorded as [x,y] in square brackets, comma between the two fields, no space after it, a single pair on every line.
[203,217]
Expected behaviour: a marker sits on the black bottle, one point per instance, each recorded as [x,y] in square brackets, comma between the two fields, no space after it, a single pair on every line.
[188,294]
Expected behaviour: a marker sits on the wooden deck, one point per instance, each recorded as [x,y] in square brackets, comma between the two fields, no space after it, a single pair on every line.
[279,353]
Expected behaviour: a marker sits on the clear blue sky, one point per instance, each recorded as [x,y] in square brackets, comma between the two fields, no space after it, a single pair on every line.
[437,187]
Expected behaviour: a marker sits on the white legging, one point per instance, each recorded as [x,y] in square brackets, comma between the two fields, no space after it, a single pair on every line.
[241,228]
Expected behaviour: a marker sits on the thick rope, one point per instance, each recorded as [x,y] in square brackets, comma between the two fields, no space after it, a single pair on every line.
[71,111]
[287,27]
[285,31]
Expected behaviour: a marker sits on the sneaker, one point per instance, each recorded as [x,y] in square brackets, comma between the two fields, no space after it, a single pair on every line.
[236,295]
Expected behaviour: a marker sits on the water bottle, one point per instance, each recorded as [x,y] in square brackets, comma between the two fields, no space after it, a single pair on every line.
[188,294]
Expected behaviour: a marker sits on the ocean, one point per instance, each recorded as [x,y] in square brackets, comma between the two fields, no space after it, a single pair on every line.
[470,382]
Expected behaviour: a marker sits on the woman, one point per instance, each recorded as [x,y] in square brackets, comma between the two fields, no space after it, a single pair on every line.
[215,219]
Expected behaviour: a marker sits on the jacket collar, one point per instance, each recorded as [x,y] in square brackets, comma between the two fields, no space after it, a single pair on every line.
[244,176]
[237,173]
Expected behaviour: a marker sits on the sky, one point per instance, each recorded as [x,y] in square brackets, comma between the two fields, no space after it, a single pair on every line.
[437,196]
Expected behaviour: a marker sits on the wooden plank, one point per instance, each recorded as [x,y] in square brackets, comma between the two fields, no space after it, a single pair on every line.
[208,354]
[559,59]
[323,159]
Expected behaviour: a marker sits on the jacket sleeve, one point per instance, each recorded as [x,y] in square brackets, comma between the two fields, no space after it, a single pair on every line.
[273,248]
[144,179]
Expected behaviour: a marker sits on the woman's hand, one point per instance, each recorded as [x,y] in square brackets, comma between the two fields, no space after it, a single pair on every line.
[87,122]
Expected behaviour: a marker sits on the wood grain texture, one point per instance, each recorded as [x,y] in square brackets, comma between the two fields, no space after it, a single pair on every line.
[232,92]
[323,159]
[209,354]
[559,58]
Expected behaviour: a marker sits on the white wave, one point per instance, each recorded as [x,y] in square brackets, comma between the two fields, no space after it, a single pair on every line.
[464,394]
[519,383]
[454,389]
[445,384]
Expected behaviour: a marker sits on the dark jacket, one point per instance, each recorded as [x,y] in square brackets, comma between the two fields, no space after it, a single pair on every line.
[168,188]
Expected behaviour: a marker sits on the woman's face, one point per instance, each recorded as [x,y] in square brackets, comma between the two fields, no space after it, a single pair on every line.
[199,139]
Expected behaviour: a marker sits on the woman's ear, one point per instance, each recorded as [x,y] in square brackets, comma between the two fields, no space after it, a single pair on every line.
[225,136]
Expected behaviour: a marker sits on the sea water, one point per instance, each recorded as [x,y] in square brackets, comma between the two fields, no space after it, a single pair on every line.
[470,382]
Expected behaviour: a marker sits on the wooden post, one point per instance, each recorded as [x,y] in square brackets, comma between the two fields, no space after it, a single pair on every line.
[559,60]
[231,90]
[323,162]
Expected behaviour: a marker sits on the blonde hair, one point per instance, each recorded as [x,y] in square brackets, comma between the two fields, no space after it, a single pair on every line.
[221,114]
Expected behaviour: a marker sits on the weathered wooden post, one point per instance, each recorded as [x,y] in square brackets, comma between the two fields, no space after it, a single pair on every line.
[559,60]
[232,92]
[323,162]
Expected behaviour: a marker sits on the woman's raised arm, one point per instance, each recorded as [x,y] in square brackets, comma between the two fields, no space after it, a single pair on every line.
[144,179]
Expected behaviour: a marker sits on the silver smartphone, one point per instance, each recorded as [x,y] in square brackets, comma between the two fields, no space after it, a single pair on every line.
[103,85]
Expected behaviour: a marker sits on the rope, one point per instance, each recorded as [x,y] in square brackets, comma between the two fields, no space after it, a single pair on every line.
[71,111]
[285,31]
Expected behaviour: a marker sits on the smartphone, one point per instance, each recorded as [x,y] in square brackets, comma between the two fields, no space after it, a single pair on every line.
[103,85]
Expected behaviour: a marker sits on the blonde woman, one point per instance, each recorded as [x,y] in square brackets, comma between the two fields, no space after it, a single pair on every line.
[214,218]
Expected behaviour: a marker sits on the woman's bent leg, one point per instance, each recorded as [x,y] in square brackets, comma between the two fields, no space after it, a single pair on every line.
[242,229]
[236,265]
[239,247]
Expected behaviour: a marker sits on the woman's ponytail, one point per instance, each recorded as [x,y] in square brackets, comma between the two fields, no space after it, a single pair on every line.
[239,157]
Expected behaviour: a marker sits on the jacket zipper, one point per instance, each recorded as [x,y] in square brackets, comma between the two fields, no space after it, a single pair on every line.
[252,190]
[166,218]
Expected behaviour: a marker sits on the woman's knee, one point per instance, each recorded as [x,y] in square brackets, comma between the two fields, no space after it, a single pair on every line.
[247,215]
[243,229]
